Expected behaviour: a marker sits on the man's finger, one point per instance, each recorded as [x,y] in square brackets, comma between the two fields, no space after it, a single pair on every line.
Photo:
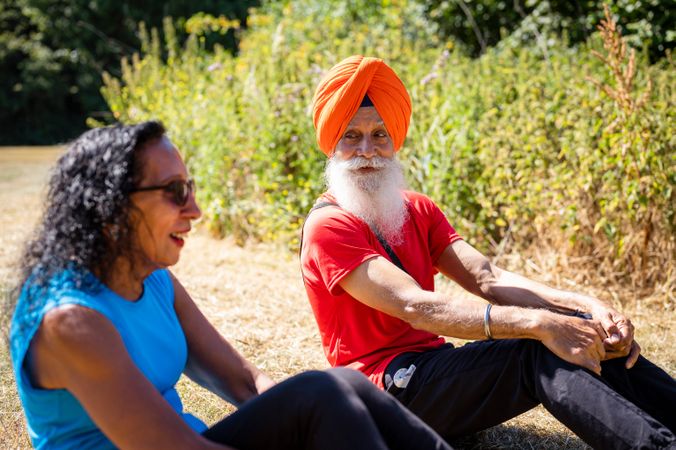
[600,349]
[605,338]
[626,329]
[633,355]
[610,328]
[613,351]
[614,335]
[594,366]
[596,352]
[625,333]
[615,354]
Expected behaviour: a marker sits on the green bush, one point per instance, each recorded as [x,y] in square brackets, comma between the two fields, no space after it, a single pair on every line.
[516,143]
[481,24]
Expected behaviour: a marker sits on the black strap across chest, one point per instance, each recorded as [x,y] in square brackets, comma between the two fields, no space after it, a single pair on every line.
[393,256]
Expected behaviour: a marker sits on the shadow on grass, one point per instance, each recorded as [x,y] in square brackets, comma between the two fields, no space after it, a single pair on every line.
[507,436]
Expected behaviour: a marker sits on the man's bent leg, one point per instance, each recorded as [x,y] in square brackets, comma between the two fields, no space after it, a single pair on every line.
[461,391]
[589,406]
[645,385]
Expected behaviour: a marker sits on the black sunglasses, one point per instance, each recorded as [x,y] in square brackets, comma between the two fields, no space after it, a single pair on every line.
[180,190]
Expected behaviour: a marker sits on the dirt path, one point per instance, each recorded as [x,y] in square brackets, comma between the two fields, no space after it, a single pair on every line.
[254,296]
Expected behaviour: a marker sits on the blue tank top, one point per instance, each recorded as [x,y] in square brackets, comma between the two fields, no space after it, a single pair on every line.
[151,333]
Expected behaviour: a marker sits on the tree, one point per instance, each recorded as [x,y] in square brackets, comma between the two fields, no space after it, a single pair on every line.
[479,24]
[52,53]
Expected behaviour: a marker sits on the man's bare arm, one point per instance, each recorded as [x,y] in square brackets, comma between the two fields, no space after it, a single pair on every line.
[381,285]
[473,271]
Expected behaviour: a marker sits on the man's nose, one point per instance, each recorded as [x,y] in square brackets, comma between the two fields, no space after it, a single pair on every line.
[366,148]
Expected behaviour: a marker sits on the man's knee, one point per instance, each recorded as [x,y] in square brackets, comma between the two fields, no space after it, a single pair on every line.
[541,361]
[538,351]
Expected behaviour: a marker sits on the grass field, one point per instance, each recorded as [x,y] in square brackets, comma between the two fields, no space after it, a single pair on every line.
[254,296]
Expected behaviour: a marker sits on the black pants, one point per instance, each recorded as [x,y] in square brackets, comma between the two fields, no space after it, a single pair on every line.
[458,391]
[335,409]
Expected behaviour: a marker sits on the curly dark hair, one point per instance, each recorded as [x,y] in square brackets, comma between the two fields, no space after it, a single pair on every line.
[86,220]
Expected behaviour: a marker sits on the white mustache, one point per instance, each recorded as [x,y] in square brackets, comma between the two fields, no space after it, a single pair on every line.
[376,162]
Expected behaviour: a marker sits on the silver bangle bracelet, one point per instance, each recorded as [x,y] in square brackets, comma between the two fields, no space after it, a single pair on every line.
[487,318]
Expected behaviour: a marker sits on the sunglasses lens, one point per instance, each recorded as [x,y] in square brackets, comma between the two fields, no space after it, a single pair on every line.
[181,191]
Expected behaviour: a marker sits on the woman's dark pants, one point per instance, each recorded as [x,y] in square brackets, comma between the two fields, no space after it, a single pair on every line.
[334,409]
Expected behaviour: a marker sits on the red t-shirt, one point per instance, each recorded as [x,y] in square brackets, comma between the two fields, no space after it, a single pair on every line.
[336,242]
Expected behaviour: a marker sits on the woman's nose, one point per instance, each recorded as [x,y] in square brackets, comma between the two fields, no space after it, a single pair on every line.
[192,210]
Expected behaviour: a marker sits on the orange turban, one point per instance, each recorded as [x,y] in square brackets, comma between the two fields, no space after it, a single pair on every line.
[341,91]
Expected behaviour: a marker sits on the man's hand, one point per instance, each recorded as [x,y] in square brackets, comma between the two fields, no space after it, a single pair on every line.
[575,340]
[619,333]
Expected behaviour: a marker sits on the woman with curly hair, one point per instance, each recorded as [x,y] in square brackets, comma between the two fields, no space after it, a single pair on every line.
[102,330]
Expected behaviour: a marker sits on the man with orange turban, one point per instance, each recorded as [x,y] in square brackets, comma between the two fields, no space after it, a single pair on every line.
[369,254]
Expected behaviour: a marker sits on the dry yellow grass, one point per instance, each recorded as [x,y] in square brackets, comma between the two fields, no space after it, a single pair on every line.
[255,297]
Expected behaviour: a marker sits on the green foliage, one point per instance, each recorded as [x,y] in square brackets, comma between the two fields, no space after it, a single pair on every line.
[481,24]
[52,53]
[518,142]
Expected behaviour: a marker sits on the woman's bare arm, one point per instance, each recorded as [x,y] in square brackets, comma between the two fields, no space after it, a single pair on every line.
[78,349]
[212,361]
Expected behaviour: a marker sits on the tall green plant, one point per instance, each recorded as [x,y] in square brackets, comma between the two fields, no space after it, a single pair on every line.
[52,53]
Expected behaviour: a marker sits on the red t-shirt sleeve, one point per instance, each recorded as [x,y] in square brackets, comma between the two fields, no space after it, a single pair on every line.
[440,232]
[334,244]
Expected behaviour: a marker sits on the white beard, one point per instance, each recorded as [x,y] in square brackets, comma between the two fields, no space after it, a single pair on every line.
[375,197]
